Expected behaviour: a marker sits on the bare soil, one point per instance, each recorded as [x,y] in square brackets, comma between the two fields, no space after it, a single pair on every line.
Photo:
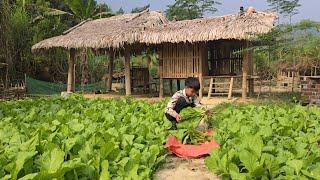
[176,168]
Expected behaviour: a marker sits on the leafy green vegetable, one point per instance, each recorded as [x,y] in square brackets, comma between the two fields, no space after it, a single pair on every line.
[76,138]
[266,142]
[187,130]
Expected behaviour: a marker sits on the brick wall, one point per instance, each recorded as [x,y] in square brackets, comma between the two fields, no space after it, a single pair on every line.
[310,89]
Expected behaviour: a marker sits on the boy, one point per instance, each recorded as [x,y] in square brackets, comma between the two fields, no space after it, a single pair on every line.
[182,99]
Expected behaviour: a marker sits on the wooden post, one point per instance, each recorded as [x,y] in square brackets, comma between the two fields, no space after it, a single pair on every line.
[171,87]
[245,70]
[74,78]
[210,87]
[161,91]
[70,84]
[251,80]
[201,86]
[201,59]
[293,84]
[127,57]
[149,70]
[110,67]
[230,89]
[7,79]
[178,85]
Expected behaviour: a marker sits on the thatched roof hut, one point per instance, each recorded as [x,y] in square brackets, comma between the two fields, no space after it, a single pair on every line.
[239,26]
[183,46]
[113,32]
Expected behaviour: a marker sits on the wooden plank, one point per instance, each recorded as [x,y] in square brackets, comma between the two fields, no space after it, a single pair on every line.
[218,93]
[70,84]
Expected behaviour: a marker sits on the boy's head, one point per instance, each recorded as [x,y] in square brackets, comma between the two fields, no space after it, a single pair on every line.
[192,86]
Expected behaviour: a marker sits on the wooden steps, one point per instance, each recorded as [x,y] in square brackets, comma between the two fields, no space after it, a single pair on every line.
[216,89]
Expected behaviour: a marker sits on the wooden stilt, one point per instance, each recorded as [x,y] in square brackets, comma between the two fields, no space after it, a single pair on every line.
[150,76]
[230,89]
[171,87]
[201,59]
[201,86]
[127,72]
[110,67]
[251,80]
[70,83]
[160,70]
[210,87]
[161,91]
[245,71]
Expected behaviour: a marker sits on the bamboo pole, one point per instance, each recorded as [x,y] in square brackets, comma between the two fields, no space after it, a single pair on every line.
[201,59]
[127,72]
[251,80]
[161,91]
[74,78]
[110,67]
[245,69]
[201,86]
[70,84]
[230,89]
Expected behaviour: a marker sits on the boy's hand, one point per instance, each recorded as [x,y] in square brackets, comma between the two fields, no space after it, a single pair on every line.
[178,118]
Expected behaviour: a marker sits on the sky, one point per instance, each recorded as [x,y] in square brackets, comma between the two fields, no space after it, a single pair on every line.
[308,10]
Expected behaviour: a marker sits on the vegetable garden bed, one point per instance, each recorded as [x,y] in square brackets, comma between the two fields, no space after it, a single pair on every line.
[266,142]
[76,138]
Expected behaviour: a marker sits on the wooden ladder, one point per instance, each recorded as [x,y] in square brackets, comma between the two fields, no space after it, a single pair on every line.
[213,88]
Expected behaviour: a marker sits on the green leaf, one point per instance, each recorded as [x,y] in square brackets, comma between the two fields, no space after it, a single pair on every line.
[249,160]
[21,158]
[50,162]
[104,175]
[296,165]
[29,176]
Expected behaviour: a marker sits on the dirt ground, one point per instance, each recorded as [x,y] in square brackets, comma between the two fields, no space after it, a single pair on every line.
[209,102]
[176,168]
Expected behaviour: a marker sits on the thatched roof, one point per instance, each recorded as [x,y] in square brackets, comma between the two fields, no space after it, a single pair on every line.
[150,27]
[113,32]
[237,26]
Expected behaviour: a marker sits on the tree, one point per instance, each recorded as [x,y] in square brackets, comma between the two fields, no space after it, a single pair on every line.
[83,10]
[4,30]
[140,9]
[191,9]
[287,8]
[120,11]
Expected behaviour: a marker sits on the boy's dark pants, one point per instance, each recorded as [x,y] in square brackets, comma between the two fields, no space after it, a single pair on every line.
[181,104]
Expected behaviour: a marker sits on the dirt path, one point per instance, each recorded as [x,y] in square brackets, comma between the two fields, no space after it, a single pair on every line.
[176,168]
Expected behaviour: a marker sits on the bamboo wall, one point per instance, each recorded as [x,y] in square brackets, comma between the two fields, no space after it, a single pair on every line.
[182,60]
[139,77]
[224,58]
[216,58]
